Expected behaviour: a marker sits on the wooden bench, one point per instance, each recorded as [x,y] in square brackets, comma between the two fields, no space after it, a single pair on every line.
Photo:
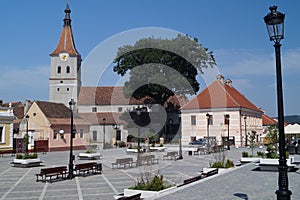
[132,197]
[147,160]
[171,155]
[11,152]
[190,180]
[57,172]
[88,168]
[123,162]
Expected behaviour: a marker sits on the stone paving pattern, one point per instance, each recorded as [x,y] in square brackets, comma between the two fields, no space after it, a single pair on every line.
[244,182]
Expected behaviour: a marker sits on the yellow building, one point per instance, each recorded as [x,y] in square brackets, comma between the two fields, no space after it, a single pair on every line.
[6,128]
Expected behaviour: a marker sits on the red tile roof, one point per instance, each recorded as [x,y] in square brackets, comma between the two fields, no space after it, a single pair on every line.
[66,43]
[266,120]
[105,96]
[219,95]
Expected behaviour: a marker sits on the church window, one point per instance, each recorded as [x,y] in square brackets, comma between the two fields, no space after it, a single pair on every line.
[81,133]
[57,89]
[68,89]
[193,120]
[1,134]
[54,135]
[68,69]
[94,109]
[61,81]
[59,69]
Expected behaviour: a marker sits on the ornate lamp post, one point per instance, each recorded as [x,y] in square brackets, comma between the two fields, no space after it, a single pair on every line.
[26,137]
[227,117]
[208,122]
[275,26]
[104,120]
[246,136]
[138,111]
[71,159]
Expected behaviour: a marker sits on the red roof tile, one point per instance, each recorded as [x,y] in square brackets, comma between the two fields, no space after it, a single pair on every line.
[220,95]
[266,120]
[105,96]
[66,43]
[97,118]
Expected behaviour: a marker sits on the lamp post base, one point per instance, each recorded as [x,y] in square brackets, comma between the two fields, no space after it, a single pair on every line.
[283,194]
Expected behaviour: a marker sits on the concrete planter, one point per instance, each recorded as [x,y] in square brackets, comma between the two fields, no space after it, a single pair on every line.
[158,148]
[249,159]
[89,156]
[26,162]
[132,150]
[269,164]
[146,194]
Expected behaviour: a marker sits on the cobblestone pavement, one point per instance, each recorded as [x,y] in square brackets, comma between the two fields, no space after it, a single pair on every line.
[244,182]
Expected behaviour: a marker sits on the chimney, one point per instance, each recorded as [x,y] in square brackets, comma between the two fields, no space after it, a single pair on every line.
[228,82]
[27,106]
[220,78]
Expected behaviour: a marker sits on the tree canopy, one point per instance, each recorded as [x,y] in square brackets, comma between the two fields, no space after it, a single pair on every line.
[160,68]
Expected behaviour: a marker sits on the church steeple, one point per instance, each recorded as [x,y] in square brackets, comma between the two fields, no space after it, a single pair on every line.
[67,20]
[65,67]
[66,41]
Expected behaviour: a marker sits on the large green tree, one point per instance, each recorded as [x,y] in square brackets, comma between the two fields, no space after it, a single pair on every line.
[160,68]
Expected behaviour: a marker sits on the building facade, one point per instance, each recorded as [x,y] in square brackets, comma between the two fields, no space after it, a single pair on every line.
[6,127]
[220,112]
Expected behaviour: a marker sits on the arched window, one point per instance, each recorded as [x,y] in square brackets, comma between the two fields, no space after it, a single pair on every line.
[59,69]
[68,69]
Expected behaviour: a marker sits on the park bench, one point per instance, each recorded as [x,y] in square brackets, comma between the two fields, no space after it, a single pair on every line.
[11,152]
[57,172]
[171,155]
[123,162]
[90,168]
[132,197]
[147,160]
[190,180]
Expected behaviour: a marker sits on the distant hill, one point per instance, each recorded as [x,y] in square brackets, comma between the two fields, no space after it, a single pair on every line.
[292,119]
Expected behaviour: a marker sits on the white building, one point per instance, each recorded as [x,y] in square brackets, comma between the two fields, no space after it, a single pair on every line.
[218,100]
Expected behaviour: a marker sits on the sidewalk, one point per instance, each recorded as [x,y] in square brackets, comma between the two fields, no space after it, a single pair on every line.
[242,182]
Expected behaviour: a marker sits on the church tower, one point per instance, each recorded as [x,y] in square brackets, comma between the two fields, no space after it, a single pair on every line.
[65,67]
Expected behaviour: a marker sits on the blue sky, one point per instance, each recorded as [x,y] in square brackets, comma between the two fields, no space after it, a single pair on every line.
[233,29]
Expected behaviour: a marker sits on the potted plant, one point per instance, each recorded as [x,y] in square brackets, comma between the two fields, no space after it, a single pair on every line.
[89,154]
[149,187]
[26,160]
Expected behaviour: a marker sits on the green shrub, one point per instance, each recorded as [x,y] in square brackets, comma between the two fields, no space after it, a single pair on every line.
[217,164]
[153,145]
[19,156]
[27,156]
[122,144]
[260,154]
[90,151]
[156,184]
[229,163]
[161,145]
[245,154]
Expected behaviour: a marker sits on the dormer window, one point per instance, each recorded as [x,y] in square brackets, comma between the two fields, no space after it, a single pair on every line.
[59,69]
[68,69]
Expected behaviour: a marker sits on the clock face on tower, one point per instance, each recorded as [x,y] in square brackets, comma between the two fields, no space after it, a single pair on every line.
[64,56]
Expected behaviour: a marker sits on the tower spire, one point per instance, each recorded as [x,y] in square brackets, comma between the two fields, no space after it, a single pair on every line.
[67,19]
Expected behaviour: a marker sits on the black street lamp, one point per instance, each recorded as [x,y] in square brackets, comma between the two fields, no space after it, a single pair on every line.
[71,159]
[138,111]
[246,136]
[104,120]
[180,137]
[208,122]
[26,137]
[275,26]
[227,122]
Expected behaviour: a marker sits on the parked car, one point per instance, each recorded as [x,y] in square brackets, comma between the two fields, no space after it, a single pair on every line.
[199,141]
